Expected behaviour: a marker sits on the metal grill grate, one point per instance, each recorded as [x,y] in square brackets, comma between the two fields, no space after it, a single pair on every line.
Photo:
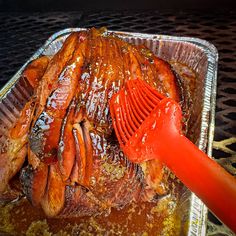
[21,35]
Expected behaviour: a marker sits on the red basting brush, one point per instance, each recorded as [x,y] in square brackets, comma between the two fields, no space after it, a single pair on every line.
[148,126]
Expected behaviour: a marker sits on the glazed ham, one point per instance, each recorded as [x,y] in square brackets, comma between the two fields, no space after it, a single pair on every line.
[74,165]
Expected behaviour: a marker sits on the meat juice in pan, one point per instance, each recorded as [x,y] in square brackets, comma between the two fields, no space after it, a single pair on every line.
[159,215]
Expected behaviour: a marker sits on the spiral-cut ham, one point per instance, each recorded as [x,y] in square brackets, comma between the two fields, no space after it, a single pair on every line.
[73,154]
[35,182]
[45,133]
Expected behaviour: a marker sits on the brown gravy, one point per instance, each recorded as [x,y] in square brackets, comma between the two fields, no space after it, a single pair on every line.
[160,218]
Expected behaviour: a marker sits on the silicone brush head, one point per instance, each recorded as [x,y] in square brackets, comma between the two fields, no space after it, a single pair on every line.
[135,110]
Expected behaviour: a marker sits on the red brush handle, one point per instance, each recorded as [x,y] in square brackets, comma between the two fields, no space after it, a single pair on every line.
[159,137]
[203,176]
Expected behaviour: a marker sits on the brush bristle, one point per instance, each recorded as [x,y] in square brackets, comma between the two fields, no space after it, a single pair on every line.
[131,106]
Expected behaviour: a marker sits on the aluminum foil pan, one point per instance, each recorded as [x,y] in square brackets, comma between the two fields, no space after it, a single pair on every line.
[199,55]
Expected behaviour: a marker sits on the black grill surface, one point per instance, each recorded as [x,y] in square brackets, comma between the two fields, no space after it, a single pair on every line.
[21,34]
